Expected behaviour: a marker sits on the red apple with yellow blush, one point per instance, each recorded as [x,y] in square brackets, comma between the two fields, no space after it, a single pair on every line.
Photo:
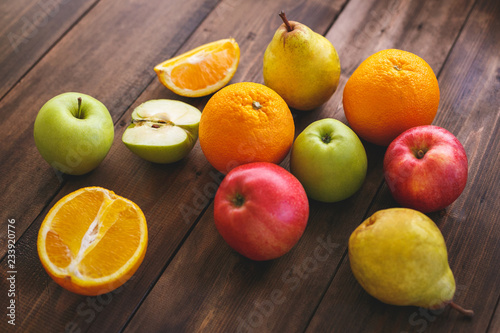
[261,210]
[426,168]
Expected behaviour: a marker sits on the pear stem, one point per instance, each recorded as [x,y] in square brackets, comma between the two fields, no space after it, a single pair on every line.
[79,107]
[468,313]
[285,20]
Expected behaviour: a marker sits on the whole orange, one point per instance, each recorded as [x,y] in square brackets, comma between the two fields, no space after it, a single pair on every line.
[390,92]
[245,122]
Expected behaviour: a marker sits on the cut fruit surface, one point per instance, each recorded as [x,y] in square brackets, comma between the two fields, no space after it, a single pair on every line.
[162,131]
[201,71]
[166,135]
[169,111]
[92,241]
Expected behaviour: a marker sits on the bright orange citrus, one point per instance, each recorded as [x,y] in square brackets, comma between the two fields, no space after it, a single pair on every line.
[390,92]
[245,122]
[92,241]
[201,71]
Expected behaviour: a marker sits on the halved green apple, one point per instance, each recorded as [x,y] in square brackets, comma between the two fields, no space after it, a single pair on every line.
[162,130]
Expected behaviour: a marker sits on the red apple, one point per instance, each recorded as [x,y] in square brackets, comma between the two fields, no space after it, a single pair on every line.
[261,210]
[425,168]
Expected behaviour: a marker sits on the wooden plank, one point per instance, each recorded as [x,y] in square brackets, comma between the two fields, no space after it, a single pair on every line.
[208,287]
[172,196]
[495,321]
[98,57]
[29,28]
[469,84]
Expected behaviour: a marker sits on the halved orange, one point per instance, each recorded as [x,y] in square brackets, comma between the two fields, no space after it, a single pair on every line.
[92,241]
[201,71]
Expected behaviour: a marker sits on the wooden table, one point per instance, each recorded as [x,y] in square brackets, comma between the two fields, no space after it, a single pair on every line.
[190,279]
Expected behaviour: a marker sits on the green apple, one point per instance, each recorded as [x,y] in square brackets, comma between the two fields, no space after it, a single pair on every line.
[162,130]
[73,132]
[329,160]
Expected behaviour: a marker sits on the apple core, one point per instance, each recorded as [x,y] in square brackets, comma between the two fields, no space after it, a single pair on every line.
[162,131]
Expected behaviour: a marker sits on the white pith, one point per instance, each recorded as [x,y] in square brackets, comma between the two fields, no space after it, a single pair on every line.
[89,241]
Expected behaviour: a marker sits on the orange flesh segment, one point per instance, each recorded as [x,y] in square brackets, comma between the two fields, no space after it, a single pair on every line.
[119,242]
[102,228]
[81,210]
[57,251]
[204,69]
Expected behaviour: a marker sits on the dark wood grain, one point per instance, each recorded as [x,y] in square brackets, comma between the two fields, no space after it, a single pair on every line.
[190,279]
[494,325]
[226,292]
[97,57]
[28,29]
[469,109]
[171,196]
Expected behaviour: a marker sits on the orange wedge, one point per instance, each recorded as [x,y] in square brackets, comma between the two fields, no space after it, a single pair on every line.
[201,71]
[92,241]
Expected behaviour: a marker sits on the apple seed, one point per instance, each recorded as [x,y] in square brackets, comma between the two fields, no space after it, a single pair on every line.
[155,123]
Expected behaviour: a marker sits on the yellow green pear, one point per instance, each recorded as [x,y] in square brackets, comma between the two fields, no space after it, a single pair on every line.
[399,256]
[301,65]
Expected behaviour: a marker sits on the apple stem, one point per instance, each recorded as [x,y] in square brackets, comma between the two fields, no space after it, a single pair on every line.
[79,107]
[285,20]
[468,313]
[420,154]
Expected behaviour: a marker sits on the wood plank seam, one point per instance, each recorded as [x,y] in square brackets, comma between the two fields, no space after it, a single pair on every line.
[493,315]
[379,187]
[247,282]
[61,185]
[382,181]
[49,49]
[438,75]
[491,143]
[200,215]
[204,209]
[336,17]
[323,294]
[178,247]
[60,175]
[63,181]
[339,264]
[497,306]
